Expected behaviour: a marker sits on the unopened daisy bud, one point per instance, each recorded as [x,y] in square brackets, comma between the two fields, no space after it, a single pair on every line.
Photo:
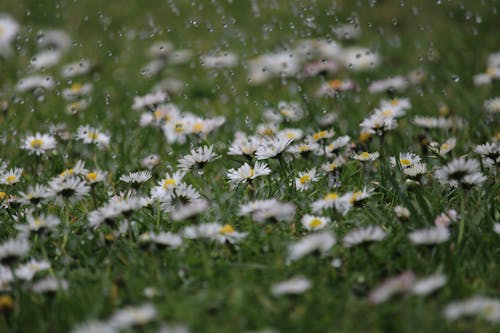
[402,213]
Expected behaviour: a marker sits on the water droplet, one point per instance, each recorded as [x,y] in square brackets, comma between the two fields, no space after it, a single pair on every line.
[455,78]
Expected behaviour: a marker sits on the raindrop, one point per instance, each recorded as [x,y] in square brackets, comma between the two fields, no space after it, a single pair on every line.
[455,78]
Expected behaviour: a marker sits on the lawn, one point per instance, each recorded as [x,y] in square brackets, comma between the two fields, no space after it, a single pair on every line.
[249,166]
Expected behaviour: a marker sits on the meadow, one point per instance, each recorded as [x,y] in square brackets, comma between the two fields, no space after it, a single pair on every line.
[249,166]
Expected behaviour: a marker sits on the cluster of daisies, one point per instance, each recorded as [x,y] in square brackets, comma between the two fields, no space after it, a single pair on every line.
[257,166]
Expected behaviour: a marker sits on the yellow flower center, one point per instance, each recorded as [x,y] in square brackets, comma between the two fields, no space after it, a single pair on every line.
[387,113]
[355,196]
[92,135]
[252,172]
[304,179]
[491,71]
[38,222]
[170,182]
[76,87]
[364,136]
[66,173]
[10,179]
[332,165]
[36,143]
[198,127]
[445,146]
[319,135]
[364,155]
[304,148]
[92,176]
[268,131]
[331,196]
[179,128]
[226,229]
[394,102]
[405,162]
[3,195]
[6,301]
[290,135]
[157,114]
[335,84]
[315,222]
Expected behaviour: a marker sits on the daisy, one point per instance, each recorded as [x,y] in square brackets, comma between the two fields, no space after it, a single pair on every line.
[77,170]
[321,242]
[290,110]
[460,172]
[492,105]
[365,156]
[388,288]
[13,248]
[323,135]
[33,195]
[291,133]
[432,122]
[75,107]
[303,149]
[305,179]
[77,90]
[293,286]
[334,165]
[150,161]
[488,308]
[311,222]
[76,68]
[149,101]
[395,103]
[361,235]
[227,233]
[95,177]
[428,284]
[405,160]
[115,208]
[132,315]
[29,270]
[94,327]
[397,83]
[11,176]
[358,197]
[168,184]
[8,30]
[378,123]
[432,235]
[338,143]
[223,60]
[446,218]
[490,154]
[45,59]
[332,200]
[189,209]
[203,127]
[402,213]
[39,143]
[204,230]
[136,178]
[35,81]
[90,135]
[197,158]
[245,146]
[444,148]
[70,189]
[416,170]
[271,209]
[359,58]
[49,284]
[246,173]
[272,147]
[333,87]
[162,238]
[496,228]
[38,223]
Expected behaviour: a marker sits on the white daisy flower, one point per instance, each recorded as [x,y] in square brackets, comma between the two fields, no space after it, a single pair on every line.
[39,143]
[338,143]
[397,83]
[406,160]
[77,90]
[321,242]
[460,172]
[149,100]
[197,158]
[311,222]
[272,147]
[77,170]
[45,59]
[246,173]
[29,270]
[162,238]
[131,316]
[170,183]
[496,228]
[444,148]
[223,60]
[361,235]
[34,195]
[378,123]
[8,30]
[402,213]
[245,146]
[94,327]
[11,176]
[446,218]
[391,286]
[90,135]
[35,82]
[492,105]
[70,189]
[431,235]
[428,284]
[76,68]
[227,233]
[322,135]
[268,210]
[416,170]
[490,154]
[432,122]
[365,156]
[290,110]
[136,178]
[332,200]
[396,103]
[487,308]
[204,230]
[150,161]
[188,210]
[37,223]
[360,59]
[303,149]
[13,248]
[334,165]
[305,179]
[293,286]
[50,284]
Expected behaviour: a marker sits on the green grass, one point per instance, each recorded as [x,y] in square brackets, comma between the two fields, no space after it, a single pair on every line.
[217,288]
